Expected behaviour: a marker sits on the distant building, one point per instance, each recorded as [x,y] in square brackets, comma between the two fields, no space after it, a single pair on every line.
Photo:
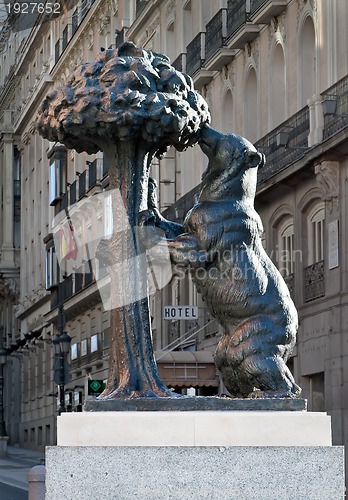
[274,72]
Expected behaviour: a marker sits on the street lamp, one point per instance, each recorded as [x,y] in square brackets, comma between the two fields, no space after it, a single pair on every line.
[61,346]
[3,359]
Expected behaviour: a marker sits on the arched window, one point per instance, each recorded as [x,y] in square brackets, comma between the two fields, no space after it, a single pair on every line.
[286,246]
[187,29]
[227,113]
[316,221]
[278,91]
[251,111]
[170,41]
[308,61]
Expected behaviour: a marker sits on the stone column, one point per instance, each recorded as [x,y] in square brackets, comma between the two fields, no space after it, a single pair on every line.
[7,250]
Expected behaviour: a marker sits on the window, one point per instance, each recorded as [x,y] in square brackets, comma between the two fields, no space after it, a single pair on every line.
[74,351]
[286,247]
[316,220]
[51,268]
[94,343]
[57,178]
[84,347]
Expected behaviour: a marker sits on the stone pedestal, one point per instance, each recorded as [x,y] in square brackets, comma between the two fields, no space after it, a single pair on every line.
[200,454]
[194,473]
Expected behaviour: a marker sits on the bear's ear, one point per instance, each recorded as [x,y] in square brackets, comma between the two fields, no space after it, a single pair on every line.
[255,159]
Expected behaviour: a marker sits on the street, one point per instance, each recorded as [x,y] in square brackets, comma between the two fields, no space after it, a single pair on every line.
[11,493]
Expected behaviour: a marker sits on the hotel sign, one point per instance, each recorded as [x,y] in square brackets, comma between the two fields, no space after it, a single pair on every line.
[180,312]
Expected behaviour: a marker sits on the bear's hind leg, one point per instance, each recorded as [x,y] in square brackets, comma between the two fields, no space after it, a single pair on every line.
[274,379]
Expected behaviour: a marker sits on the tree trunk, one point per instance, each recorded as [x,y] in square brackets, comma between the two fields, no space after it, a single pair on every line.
[132,367]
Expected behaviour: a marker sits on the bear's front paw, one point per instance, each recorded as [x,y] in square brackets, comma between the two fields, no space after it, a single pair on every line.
[147,218]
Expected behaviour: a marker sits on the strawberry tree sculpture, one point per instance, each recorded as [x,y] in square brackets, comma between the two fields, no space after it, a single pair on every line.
[132,105]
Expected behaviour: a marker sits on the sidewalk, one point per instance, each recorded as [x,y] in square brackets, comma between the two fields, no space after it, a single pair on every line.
[16,465]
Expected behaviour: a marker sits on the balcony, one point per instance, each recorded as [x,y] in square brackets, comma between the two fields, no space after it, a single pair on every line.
[140,6]
[195,55]
[121,37]
[73,193]
[290,282]
[216,55]
[57,50]
[277,157]
[82,184]
[314,281]
[337,121]
[74,21]
[239,28]
[262,11]
[180,63]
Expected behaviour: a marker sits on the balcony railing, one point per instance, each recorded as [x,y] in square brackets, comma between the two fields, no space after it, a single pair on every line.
[57,50]
[334,123]
[82,184]
[140,6]
[214,36]
[75,21]
[236,15]
[262,11]
[314,281]
[278,158]
[194,55]
[73,193]
[180,63]
[121,37]
[290,282]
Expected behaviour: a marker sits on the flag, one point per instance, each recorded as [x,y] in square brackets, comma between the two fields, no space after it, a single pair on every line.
[67,247]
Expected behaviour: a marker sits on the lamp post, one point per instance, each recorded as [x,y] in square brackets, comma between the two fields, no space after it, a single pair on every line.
[3,359]
[61,345]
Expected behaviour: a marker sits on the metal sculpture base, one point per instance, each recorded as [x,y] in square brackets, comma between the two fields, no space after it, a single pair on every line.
[199,403]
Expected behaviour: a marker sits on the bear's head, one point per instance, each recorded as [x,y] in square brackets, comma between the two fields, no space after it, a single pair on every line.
[231,159]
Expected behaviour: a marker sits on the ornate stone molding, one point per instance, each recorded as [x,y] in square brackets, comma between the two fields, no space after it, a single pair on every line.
[170,7]
[327,174]
[114,7]
[26,137]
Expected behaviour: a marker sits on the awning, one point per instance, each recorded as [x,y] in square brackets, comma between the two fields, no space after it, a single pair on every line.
[187,368]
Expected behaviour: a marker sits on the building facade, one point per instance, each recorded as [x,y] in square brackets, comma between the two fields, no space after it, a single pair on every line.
[275,72]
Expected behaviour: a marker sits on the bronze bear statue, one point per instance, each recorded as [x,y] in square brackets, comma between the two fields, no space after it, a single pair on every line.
[220,241]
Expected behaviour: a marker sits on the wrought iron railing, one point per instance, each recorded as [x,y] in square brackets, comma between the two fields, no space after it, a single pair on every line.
[72,193]
[75,21]
[82,184]
[255,4]
[179,63]
[57,50]
[140,6]
[92,174]
[236,15]
[314,281]
[334,123]
[278,158]
[290,282]
[65,37]
[120,37]
[194,57]
[214,39]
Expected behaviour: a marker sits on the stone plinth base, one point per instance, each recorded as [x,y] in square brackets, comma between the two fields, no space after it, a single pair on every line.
[163,473]
[194,428]
[197,403]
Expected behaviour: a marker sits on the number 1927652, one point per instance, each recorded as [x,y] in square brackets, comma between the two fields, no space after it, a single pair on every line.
[33,8]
